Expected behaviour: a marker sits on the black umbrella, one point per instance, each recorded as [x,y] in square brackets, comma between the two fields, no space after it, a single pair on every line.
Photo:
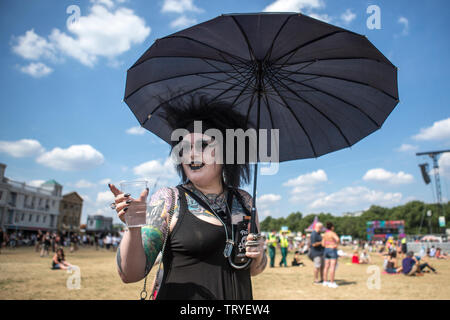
[324,87]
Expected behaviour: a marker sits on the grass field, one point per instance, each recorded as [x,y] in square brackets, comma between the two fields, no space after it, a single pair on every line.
[25,275]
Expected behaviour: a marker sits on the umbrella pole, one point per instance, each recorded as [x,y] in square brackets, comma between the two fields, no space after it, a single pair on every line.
[253,228]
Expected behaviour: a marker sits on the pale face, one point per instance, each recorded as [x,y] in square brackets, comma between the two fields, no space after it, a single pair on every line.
[200,164]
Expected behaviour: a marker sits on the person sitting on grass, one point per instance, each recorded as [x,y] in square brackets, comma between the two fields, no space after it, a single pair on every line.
[364,257]
[297,260]
[423,263]
[391,265]
[411,265]
[59,262]
[440,255]
[355,258]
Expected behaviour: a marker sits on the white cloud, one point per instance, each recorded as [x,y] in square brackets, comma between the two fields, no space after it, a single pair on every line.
[307,179]
[36,69]
[105,198]
[293,5]
[440,130]
[31,46]
[102,33]
[106,3]
[76,157]
[304,186]
[382,175]
[105,181]
[268,199]
[355,198]
[182,22]
[153,169]
[22,148]
[35,183]
[85,198]
[348,16]
[84,184]
[180,6]
[407,148]
[322,17]
[138,130]
[403,21]
[266,205]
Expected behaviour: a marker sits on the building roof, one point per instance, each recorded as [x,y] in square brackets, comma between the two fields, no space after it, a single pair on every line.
[50,182]
[71,194]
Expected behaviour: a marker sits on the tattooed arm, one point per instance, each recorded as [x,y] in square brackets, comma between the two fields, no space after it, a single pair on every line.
[257,253]
[139,247]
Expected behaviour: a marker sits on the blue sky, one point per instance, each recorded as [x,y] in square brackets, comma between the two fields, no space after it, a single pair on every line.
[62,115]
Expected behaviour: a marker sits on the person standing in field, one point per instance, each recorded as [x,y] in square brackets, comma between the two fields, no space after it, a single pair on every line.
[272,242]
[284,244]
[317,253]
[330,242]
[37,244]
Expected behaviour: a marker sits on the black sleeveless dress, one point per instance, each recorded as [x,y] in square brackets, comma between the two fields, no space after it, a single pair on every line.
[194,265]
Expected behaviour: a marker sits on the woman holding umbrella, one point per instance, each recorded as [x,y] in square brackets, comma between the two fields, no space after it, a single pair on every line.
[209,208]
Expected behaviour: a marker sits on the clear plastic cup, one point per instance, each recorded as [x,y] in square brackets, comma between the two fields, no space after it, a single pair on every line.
[136,216]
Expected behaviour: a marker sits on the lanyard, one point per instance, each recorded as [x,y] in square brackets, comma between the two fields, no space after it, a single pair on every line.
[229,242]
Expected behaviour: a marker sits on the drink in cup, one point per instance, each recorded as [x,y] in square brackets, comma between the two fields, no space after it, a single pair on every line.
[136,214]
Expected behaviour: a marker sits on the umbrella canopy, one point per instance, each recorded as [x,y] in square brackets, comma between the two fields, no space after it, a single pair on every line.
[323,87]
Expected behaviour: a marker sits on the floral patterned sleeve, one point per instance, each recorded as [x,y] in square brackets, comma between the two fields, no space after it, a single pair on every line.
[154,233]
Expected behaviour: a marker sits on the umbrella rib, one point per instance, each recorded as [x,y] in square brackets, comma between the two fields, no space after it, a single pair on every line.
[295,117]
[250,49]
[332,58]
[188,57]
[207,45]
[293,51]
[270,113]
[269,53]
[226,72]
[180,95]
[242,91]
[170,78]
[337,98]
[340,78]
[233,86]
[226,82]
[250,107]
[311,105]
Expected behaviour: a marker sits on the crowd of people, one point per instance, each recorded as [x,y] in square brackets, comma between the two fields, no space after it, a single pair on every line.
[321,247]
[44,242]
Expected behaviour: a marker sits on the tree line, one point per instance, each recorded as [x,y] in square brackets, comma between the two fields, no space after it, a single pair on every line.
[414,214]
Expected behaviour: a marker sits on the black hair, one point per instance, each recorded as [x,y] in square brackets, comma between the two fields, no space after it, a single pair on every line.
[214,115]
[329,225]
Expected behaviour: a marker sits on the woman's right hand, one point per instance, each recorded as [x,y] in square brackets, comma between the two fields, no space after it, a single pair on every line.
[125,204]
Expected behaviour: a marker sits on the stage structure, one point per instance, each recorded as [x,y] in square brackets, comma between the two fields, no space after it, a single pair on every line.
[384,229]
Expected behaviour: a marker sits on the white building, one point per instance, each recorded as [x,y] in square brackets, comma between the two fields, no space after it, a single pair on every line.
[353,214]
[23,207]
[99,223]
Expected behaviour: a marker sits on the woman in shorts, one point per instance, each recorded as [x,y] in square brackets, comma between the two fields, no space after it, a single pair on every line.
[330,241]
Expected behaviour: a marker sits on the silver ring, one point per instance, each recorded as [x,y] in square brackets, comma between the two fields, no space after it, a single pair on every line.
[112,206]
